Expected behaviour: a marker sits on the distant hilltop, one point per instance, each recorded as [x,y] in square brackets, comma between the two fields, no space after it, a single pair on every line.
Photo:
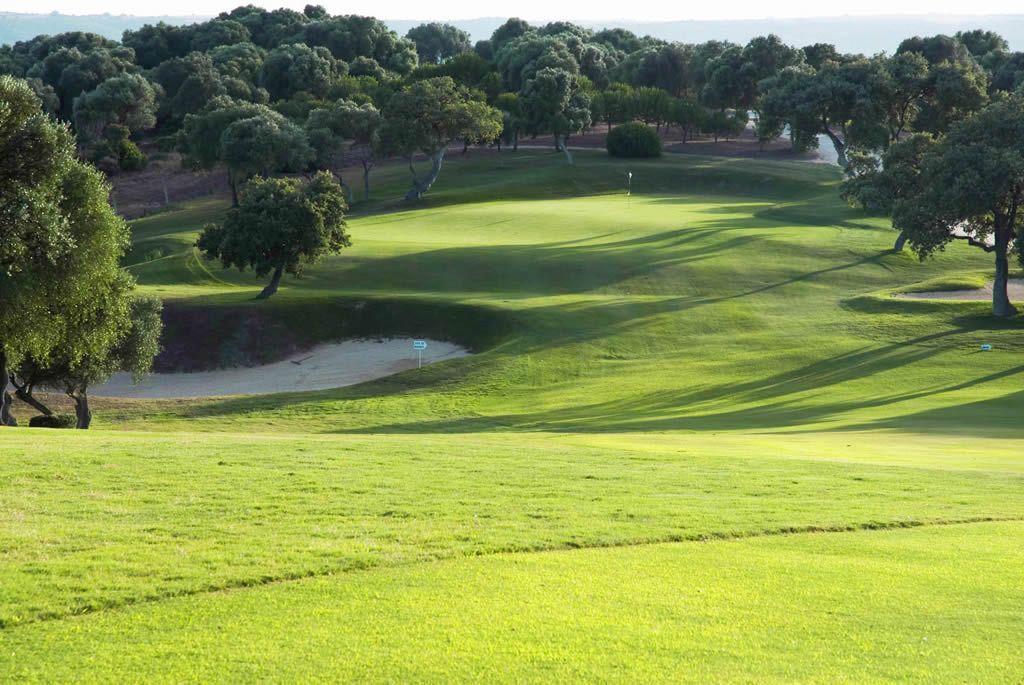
[867,35]
[15,26]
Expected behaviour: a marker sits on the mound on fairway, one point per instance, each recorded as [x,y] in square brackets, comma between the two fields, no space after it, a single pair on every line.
[332,365]
[1014,288]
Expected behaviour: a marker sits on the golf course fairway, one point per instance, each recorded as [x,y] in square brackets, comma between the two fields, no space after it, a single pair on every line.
[698,439]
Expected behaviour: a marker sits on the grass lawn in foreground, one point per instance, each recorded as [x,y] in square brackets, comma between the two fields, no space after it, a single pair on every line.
[920,605]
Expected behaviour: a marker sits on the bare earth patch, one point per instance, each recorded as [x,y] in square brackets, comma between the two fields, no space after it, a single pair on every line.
[333,365]
[1015,289]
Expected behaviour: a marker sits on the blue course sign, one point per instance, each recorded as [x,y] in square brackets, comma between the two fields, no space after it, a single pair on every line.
[419,344]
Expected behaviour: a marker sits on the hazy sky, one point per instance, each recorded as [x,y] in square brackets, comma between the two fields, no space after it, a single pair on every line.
[637,10]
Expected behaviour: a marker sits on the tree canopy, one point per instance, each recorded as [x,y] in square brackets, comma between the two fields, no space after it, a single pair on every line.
[971,187]
[63,294]
[279,226]
[428,116]
[436,42]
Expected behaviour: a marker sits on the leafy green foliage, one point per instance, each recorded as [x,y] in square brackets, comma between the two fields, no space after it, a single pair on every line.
[351,36]
[427,116]
[876,185]
[217,33]
[344,125]
[553,101]
[115,150]
[36,155]
[521,58]
[248,138]
[279,226]
[63,294]
[512,28]
[72,72]
[971,185]
[53,421]
[240,60]
[262,144]
[155,44]
[128,101]
[633,140]
[436,42]
[724,124]
[295,68]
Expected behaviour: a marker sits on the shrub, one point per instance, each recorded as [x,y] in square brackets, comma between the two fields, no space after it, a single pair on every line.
[132,158]
[634,140]
[53,421]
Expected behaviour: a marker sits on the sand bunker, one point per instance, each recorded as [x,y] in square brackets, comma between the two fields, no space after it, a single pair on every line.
[1015,289]
[325,366]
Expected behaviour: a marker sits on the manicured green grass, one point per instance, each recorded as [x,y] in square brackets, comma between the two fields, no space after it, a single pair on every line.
[922,605]
[688,307]
[717,357]
[120,519]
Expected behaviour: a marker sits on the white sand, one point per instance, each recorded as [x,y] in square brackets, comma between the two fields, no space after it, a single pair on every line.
[1015,289]
[325,366]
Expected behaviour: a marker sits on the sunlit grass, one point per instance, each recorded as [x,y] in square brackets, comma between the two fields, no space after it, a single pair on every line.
[716,357]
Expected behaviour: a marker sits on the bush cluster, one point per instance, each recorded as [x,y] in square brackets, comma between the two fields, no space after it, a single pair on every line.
[53,421]
[634,140]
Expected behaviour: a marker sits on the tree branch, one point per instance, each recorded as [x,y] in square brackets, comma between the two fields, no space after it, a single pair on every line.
[971,240]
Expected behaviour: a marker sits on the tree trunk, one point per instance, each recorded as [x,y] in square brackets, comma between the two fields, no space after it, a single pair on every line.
[901,240]
[515,141]
[561,144]
[366,181]
[465,146]
[347,189]
[420,188]
[1000,299]
[82,411]
[24,393]
[840,147]
[271,288]
[6,419]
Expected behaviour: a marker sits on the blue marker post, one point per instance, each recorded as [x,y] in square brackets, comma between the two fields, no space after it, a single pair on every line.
[419,346]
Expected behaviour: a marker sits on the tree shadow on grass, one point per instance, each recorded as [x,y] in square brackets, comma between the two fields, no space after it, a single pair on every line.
[796,399]
[991,417]
[788,399]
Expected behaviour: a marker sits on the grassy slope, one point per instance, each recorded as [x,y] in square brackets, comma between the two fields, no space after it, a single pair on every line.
[753,300]
[714,357]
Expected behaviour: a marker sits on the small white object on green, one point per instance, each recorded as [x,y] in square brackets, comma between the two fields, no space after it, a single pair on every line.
[986,348]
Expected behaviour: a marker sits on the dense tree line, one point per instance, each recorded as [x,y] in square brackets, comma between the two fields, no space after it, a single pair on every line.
[260,92]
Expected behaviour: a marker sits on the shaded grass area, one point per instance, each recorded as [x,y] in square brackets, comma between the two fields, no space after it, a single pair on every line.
[825,607]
